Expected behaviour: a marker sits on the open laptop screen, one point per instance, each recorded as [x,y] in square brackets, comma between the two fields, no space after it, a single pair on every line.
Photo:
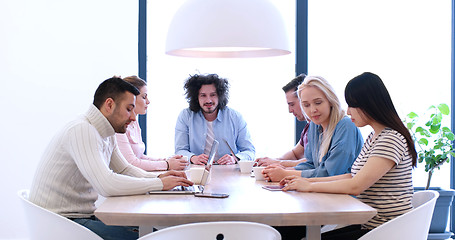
[213,152]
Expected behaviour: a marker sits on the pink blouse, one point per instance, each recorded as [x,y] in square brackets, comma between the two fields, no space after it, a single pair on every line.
[132,148]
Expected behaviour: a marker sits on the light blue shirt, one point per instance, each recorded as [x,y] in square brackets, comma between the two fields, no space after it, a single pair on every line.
[347,141]
[191,132]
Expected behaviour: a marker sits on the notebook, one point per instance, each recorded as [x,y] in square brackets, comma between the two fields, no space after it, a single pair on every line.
[195,188]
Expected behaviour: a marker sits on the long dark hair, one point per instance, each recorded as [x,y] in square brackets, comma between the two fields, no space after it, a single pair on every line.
[368,93]
[194,83]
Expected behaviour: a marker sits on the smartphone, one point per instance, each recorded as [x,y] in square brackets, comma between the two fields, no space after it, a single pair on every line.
[273,187]
[212,195]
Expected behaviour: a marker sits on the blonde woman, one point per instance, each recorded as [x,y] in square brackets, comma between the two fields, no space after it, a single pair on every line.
[333,140]
[381,176]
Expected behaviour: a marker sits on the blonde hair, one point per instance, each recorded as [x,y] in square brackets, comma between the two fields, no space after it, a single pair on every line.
[336,112]
[135,81]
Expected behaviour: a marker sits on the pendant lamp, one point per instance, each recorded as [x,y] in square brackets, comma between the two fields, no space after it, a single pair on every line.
[227,29]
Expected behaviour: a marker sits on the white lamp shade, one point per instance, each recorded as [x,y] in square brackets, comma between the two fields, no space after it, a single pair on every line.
[227,29]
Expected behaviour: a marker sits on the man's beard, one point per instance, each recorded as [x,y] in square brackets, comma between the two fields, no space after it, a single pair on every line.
[212,110]
[120,129]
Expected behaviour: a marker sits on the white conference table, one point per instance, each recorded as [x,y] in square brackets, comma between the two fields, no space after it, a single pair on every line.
[248,201]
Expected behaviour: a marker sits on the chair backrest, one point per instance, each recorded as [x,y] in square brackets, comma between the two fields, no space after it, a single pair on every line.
[216,230]
[44,224]
[414,224]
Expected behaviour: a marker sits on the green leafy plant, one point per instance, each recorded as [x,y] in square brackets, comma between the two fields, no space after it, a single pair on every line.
[433,141]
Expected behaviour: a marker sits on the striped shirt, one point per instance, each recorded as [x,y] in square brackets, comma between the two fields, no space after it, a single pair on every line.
[391,195]
[82,161]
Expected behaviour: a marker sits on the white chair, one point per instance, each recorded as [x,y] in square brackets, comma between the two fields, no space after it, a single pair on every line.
[414,224]
[216,231]
[46,225]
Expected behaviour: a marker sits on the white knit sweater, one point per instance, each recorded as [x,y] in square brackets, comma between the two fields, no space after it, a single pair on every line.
[82,161]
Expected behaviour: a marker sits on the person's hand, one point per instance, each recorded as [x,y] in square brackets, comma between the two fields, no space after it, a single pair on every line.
[177,162]
[200,160]
[266,161]
[226,159]
[287,179]
[295,183]
[173,173]
[170,182]
[274,173]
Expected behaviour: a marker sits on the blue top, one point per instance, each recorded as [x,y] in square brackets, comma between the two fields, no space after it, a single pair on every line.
[347,141]
[191,132]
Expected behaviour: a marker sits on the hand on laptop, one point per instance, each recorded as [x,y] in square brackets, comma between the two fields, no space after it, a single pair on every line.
[226,159]
[177,162]
[172,178]
[173,173]
[170,182]
[200,160]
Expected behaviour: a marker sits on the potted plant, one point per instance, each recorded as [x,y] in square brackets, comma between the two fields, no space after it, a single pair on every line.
[434,148]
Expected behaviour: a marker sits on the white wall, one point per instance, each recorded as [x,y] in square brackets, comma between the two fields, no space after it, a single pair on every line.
[53,55]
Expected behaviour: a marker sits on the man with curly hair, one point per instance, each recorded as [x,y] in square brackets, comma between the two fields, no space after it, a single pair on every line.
[208,118]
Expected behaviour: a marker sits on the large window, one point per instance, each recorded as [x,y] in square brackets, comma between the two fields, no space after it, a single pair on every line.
[255,86]
[406,42]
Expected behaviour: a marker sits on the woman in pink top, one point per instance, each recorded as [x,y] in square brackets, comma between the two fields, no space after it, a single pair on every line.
[131,144]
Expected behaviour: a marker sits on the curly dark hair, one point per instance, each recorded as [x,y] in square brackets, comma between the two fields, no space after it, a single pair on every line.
[195,82]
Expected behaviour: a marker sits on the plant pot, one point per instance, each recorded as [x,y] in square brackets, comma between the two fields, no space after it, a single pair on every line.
[441,211]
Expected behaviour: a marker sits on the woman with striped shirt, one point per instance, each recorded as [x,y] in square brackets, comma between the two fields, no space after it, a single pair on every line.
[381,176]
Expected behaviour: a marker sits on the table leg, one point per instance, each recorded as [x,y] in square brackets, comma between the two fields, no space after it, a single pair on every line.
[313,232]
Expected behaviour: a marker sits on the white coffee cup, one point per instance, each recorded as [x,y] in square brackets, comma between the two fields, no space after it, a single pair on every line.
[196,174]
[258,173]
[246,166]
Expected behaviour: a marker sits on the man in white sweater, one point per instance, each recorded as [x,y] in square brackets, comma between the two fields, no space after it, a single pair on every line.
[83,160]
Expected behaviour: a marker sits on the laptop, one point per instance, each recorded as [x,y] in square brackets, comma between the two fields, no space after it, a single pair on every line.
[232,151]
[195,188]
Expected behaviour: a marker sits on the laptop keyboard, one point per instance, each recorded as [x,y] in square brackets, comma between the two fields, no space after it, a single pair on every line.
[194,188]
